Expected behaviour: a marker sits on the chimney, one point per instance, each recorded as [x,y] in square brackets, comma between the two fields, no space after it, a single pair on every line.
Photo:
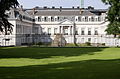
[81,11]
[33,11]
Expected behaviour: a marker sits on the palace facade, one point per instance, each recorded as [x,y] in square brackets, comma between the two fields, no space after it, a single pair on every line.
[43,24]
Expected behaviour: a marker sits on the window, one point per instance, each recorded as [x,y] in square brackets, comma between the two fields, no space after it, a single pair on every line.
[43,29]
[82,31]
[99,19]
[89,39]
[82,40]
[49,19]
[49,31]
[58,18]
[55,31]
[92,19]
[42,19]
[89,31]
[79,18]
[76,32]
[83,19]
[86,19]
[95,40]
[52,19]
[96,19]
[45,19]
[89,19]
[66,31]
[96,31]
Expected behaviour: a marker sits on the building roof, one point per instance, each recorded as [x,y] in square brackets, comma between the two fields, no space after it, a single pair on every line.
[65,11]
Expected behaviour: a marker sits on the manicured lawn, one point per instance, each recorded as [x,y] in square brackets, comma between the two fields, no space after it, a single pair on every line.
[59,63]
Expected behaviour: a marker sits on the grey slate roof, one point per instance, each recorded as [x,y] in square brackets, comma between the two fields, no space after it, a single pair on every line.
[64,11]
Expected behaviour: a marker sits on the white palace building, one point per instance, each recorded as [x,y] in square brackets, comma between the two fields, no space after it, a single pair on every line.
[42,24]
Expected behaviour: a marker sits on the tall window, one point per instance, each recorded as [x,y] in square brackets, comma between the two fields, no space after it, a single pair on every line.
[39,19]
[82,31]
[89,39]
[49,31]
[82,40]
[96,31]
[52,18]
[66,31]
[92,19]
[79,18]
[86,19]
[58,18]
[96,19]
[76,32]
[89,31]
[42,19]
[99,19]
[83,19]
[55,31]
[45,19]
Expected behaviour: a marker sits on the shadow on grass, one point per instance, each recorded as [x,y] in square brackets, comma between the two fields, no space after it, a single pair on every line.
[91,69]
[38,53]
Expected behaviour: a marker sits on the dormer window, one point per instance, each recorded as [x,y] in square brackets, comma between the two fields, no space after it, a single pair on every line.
[79,18]
[39,19]
[58,18]
[52,19]
[99,19]
[45,19]
[86,19]
[92,19]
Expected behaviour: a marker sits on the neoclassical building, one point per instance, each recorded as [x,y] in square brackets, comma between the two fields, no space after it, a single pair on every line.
[25,31]
[75,24]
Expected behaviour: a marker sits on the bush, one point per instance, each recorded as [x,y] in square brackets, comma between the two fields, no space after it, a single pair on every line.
[103,44]
[88,43]
[70,45]
[39,43]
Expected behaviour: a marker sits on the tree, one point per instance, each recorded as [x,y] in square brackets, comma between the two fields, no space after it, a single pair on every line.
[113,17]
[5,26]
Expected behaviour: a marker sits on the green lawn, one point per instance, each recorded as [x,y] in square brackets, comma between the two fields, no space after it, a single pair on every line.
[59,63]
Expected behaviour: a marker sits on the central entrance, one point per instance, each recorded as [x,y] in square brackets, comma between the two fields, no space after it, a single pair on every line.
[66,30]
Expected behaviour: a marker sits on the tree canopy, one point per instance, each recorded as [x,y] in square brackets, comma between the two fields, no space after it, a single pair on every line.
[113,17]
[5,26]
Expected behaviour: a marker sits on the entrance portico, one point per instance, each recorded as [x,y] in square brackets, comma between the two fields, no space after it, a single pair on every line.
[66,27]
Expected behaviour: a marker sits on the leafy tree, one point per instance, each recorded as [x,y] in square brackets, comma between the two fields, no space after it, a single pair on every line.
[113,17]
[5,26]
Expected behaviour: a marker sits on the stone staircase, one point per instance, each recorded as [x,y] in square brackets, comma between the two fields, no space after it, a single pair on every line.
[59,41]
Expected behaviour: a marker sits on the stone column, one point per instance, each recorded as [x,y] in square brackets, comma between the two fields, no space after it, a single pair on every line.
[69,30]
[60,30]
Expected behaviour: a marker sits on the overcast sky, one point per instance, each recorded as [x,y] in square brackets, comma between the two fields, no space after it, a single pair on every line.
[65,3]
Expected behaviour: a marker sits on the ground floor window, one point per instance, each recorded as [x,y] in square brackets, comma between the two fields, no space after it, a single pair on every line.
[89,39]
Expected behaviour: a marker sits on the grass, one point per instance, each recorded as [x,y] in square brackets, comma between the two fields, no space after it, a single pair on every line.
[59,63]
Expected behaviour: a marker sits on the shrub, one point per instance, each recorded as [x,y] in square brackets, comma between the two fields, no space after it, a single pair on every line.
[88,43]
[39,43]
[103,44]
